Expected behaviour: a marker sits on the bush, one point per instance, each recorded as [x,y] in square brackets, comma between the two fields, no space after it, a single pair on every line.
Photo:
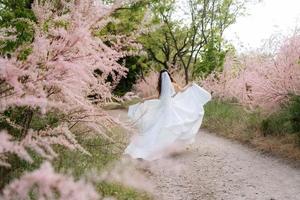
[277,124]
[285,121]
[294,110]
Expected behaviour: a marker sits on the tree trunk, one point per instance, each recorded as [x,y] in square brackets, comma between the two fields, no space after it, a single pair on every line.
[166,66]
[186,73]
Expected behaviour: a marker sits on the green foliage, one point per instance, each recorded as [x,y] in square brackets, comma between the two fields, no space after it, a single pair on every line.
[212,59]
[103,152]
[16,13]
[160,47]
[40,122]
[18,116]
[160,42]
[294,110]
[136,67]
[19,166]
[195,45]
[58,24]
[129,18]
[286,121]
[24,53]
[277,124]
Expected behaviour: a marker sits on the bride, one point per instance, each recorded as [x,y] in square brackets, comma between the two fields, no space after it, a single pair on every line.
[174,117]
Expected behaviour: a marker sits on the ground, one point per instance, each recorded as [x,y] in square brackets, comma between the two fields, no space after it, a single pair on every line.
[217,168]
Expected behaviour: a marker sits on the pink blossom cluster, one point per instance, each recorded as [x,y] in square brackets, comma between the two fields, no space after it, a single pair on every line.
[259,80]
[47,184]
[8,145]
[179,77]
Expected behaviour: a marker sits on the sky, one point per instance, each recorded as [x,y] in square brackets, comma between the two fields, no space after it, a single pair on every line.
[262,21]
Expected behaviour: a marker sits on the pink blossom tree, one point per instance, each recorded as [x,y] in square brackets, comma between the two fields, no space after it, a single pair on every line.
[67,63]
[260,80]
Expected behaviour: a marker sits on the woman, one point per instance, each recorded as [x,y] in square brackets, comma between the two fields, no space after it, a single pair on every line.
[173,117]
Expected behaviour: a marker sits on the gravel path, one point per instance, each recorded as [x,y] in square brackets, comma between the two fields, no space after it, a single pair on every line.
[217,168]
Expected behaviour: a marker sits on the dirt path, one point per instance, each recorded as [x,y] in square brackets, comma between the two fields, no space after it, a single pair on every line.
[216,168]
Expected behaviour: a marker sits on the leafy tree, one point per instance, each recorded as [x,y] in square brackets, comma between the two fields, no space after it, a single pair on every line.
[200,39]
[212,59]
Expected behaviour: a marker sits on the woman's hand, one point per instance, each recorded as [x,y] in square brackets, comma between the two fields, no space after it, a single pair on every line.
[187,86]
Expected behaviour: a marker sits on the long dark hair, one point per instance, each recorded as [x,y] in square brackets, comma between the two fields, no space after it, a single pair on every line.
[159,80]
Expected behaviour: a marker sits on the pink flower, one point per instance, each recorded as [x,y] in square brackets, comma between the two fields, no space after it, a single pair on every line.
[46,184]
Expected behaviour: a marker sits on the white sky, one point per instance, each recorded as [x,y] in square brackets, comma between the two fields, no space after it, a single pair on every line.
[263,20]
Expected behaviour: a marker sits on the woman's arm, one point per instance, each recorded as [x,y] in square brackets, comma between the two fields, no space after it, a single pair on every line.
[149,98]
[180,89]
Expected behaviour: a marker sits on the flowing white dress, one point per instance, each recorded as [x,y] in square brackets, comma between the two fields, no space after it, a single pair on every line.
[167,120]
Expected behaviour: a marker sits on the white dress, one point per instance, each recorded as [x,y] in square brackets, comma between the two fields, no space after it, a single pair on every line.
[167,120]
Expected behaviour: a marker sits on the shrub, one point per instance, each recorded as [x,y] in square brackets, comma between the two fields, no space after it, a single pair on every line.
[294,110]
[277,124]
[284,121]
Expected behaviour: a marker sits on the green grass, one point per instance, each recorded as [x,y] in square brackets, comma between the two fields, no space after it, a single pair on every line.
[121,192]
[103,153]
[79,163]
[270,133]
[230,119]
